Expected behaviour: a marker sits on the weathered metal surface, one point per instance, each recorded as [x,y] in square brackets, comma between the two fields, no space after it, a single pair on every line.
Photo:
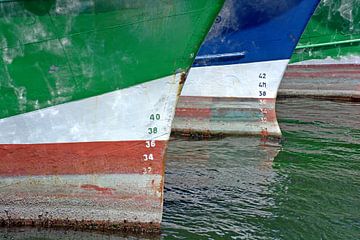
[76,173]
[242,62]
[238,84]
[87,95]
[329,52]
[212,116]
[333,32]
[332,81]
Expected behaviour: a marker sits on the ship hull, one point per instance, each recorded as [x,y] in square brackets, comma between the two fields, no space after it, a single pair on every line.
[322,80]
[241,65]
[326,62]
[98,160]
[230,100]
[88,92]
[332,35]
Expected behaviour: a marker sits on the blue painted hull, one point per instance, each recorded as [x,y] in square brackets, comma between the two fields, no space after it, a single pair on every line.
[233,84]
[254,31]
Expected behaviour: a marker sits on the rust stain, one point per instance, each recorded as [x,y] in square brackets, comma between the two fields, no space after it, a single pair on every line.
[264,132]
[157,187]
[196,134]
[181,83]
[102,190]
[182,78]
[270,114]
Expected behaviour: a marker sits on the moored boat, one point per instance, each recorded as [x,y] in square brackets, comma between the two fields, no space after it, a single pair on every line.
[232,86]
[87,97]
[326,62]
[332,35]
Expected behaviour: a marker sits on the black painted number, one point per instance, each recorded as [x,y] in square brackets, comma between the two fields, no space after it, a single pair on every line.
[262,75]
[262,84]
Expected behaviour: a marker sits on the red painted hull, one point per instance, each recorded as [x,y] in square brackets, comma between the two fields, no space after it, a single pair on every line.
[83,185]
[124,157]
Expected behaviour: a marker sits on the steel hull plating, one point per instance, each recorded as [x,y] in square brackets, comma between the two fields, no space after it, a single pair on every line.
[329,81]
[89,167]
[326,61]
[228,100]
[239,67]
[332,33]
[88,92]
[207,116]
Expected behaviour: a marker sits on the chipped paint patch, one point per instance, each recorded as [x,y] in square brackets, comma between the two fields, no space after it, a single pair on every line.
[211,116]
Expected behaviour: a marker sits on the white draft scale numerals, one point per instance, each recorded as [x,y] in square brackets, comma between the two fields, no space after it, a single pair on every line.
[150,143]
[148,157]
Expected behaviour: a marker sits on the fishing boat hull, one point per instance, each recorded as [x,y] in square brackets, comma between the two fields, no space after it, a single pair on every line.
[241,64]
[87,103]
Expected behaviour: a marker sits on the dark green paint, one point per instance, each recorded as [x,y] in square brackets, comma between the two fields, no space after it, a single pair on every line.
[70,50]
[333,31]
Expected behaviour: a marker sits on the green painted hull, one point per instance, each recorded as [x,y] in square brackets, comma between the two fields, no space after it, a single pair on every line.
[333,32]
[54,52]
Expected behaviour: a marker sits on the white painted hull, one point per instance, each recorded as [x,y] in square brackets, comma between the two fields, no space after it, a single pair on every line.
[98,160]
[239,98]
[122,115]
[236,81]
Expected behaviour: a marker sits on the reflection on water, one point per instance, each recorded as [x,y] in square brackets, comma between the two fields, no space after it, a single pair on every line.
[27,233]
[218,187]
[305,187]
[319,165]
[230,188]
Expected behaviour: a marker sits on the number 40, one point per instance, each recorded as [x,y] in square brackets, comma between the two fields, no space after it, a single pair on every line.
[155,117]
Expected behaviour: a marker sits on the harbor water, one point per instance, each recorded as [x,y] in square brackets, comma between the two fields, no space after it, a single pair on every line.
[304,186]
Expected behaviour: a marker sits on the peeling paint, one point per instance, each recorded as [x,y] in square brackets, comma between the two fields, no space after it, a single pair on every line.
[102,190]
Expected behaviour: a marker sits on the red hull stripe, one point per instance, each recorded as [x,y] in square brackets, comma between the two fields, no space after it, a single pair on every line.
[322,66]
[125,157]
[193,112]
[205,99]
[201,113]
[329,74]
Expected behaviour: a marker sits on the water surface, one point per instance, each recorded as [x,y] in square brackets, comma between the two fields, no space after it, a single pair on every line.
[305,187]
